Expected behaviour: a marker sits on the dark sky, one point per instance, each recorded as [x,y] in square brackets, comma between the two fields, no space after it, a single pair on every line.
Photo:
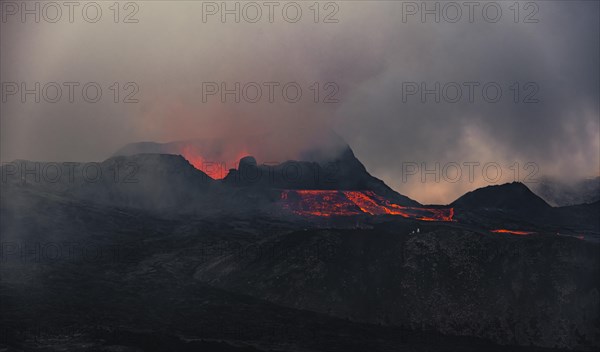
[370,54]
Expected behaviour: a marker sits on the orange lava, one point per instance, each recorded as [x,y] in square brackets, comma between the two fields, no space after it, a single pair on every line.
[513,232]
[347,203]
[319,203]
[216,169]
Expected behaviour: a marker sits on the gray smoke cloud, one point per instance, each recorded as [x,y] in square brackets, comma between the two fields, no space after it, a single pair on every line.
[373,54]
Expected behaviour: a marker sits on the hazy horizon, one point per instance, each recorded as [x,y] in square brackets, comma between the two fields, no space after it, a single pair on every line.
[365,58]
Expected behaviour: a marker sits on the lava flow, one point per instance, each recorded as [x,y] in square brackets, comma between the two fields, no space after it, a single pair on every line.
[513,232]
[347,203]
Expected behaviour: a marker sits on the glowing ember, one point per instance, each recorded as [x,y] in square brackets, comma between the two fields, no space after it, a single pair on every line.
[512,232]
[347,203]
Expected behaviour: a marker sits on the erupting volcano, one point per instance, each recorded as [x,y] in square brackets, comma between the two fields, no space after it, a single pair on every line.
[327,203]
[213,157]
[314,215]
[319,184]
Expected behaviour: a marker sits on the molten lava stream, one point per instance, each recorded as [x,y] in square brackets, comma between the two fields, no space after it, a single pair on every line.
[423,214]
[318,203]
[346,203]
[365,203]
[513,232]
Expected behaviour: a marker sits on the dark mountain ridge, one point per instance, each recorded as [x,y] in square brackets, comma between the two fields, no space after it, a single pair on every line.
[344,172]
[169,181]
[513,196]
[181,235]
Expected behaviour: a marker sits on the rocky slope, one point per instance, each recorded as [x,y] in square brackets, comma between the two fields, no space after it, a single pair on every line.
[513,291]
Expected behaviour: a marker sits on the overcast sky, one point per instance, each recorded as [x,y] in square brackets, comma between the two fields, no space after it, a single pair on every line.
[371,52]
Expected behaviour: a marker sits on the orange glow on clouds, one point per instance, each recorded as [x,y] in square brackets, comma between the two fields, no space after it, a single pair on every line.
[216,169]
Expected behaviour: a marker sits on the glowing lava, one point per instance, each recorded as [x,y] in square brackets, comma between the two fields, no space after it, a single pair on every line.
[216,169]
[513,232]
[318,203]
[347,203]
